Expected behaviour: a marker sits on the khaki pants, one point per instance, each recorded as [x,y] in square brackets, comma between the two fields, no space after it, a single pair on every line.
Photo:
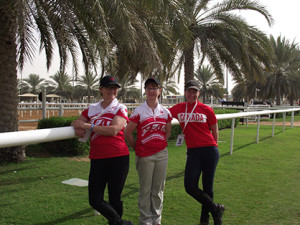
[152,175]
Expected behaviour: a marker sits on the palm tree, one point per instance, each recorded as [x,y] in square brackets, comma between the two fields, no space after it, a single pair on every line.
[169,87]
[245,89]
[88,86]
[63,85]
[22,87]
[70,24]
[128,91]
[210,84]
[34,83]
[282,76]
[224,38]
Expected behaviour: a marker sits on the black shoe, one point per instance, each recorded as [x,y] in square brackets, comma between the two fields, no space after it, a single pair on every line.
[204,223]
[125,222]
[219,211]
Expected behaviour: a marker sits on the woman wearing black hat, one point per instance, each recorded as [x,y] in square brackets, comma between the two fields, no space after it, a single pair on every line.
[153,124]
[200,131]
[109,153]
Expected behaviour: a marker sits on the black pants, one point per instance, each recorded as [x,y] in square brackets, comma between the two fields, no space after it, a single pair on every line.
[201,160]
[113,172]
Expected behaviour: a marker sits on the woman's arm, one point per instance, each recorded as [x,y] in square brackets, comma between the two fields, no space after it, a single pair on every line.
[114,128]
[215,131]
[168,130]
[131,126]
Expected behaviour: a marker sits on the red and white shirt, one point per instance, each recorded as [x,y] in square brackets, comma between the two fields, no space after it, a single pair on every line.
[197,132]
[151,129]
[106,146]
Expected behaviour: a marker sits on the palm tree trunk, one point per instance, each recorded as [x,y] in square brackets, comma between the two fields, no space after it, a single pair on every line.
[291,100]
[277,98]
[189,63]
[8,81]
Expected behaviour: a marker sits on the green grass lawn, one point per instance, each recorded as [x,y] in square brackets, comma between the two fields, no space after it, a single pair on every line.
[259,184]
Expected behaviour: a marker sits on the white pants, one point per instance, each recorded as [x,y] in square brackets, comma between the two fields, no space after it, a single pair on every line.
[152,175]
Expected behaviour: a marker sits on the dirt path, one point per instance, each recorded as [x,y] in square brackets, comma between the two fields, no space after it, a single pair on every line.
[287,123]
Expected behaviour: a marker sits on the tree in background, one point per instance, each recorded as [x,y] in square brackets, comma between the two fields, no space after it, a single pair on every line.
[33,83]
[128,91]
[210,84]
[222,37]
[87,85]
[69,24]
[62,82]
[245,89]
[283,77]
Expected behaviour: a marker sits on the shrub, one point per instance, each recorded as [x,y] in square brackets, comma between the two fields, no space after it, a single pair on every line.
[223,124]
[68,147]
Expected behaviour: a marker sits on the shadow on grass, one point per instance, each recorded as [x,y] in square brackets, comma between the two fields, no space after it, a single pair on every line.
[19,180]
[18,169]
[80,214]
[130,189]
[246,145]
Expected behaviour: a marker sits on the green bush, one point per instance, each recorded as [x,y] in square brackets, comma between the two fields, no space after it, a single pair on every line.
[223,124]
[68,147]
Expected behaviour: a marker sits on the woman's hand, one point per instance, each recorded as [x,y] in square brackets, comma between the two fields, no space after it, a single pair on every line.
[78,124]
[79,132]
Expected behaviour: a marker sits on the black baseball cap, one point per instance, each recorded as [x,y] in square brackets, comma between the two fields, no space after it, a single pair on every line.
[108,81]
[152,80]
[192,84]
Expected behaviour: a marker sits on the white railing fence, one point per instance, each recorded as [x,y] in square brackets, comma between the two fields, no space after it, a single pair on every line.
[16,138]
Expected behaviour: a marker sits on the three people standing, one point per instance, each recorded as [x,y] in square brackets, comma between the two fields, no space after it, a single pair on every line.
[110,156]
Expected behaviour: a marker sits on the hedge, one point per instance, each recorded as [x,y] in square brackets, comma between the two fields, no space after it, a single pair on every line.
[68,147]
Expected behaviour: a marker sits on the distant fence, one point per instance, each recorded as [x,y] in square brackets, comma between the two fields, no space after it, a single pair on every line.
[53,134]
[50,108]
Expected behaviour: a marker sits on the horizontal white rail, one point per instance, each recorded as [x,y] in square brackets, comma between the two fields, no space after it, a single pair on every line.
[256,113]
[35,136]
[16,138]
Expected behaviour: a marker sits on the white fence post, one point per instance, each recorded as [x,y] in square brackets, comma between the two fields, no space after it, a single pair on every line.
[283,126]
[257,130]
[292,120]
[44,104]
[232,134]
[61,110]
[273,127]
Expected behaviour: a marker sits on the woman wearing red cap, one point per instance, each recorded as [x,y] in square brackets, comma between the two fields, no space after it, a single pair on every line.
[109,153]
[153,124]
[200,131]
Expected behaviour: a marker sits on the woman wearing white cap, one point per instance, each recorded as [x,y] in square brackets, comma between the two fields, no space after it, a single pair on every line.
[109,153]
[200,131]
[153,124]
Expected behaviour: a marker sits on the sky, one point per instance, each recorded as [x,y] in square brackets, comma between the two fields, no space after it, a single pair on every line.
[285,13]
